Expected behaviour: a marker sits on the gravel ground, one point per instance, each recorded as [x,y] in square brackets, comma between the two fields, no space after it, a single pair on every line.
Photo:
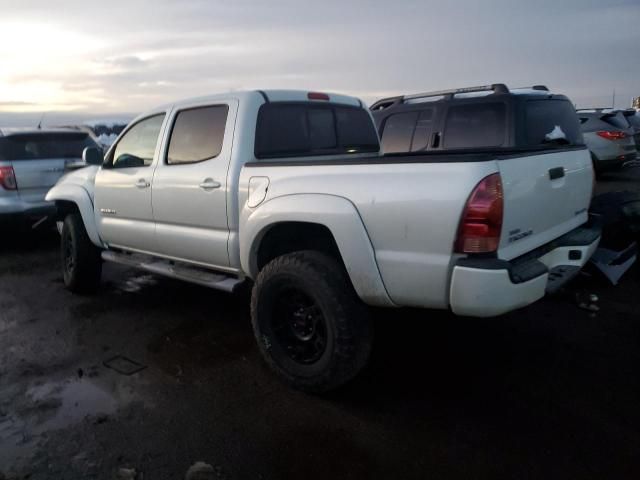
[550,391]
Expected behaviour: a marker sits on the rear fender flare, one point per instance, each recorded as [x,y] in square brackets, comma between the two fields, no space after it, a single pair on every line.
[342,219]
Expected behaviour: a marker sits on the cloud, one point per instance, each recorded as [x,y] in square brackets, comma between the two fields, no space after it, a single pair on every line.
[139,54]
[15,104]
[127,62]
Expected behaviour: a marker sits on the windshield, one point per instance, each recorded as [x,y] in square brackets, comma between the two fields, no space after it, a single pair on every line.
[38,146]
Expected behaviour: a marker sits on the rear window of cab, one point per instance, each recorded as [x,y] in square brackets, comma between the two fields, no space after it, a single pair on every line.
[299,129]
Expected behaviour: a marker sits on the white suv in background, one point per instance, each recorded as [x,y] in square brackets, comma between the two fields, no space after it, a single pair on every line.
[31,162]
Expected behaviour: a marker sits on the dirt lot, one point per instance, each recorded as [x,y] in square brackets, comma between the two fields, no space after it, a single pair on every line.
[551,391]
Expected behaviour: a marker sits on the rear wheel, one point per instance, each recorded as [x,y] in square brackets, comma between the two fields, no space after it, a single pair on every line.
[81,261]
[311,327]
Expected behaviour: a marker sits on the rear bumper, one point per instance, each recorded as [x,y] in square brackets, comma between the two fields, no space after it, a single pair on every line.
[487,287]
[16,205]
[12,209]
[614,162]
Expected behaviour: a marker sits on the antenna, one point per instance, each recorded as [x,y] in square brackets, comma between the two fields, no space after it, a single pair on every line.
[613,102]
[40,122]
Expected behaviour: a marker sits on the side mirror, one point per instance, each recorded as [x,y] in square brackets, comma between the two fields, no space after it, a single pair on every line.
[92,156]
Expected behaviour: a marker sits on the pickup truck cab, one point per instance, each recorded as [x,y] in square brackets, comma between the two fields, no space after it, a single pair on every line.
[288,191]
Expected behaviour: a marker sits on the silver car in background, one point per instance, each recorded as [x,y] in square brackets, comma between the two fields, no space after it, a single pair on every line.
[31,162]
[633,117]
[609,137]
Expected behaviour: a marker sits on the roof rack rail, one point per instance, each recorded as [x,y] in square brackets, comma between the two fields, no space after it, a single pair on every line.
[388,102]
[495,87]
[542,88]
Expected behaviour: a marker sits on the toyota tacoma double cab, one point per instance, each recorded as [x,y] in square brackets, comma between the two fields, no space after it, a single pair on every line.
[288,192]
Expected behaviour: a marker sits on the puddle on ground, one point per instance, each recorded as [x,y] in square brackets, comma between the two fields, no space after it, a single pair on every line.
[78,399]
[137,283]
[57,405]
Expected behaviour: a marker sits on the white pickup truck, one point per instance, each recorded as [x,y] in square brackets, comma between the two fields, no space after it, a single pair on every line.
[287,190]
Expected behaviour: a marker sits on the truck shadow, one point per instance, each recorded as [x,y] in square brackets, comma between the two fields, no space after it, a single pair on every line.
[14,239]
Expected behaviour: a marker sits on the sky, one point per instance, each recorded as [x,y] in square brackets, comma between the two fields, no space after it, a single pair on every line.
[79,59]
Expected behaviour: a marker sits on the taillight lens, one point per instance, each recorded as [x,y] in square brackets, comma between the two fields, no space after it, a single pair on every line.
[481,222]
[611,135]
[8,178]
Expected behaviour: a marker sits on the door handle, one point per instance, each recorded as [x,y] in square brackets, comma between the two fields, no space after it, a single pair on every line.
[209,184]
[142,183]
[555,173]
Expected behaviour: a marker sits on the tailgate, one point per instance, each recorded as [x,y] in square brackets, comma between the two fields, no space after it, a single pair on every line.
[36,177]
[545,196]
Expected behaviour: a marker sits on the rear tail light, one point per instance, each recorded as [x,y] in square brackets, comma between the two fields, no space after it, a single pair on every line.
[8,178]
[317,96]
[481,221]
[611,135]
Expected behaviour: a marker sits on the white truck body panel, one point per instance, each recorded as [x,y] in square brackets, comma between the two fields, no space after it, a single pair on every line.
[410,211]
[538,209]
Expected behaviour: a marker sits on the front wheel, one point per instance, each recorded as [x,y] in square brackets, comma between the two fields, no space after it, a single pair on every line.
[81,260]
[311,327]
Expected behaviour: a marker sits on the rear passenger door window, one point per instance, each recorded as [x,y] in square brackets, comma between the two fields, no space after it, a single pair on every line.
[197,134]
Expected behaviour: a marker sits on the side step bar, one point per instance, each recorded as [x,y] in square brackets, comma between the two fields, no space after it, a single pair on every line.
[181,271]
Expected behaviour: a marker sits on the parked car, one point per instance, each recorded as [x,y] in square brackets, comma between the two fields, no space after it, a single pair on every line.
[609,137]
[31,162]
[633,118]
[287,190]
[106,130]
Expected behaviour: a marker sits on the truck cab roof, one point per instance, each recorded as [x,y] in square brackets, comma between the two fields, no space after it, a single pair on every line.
[268,96]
